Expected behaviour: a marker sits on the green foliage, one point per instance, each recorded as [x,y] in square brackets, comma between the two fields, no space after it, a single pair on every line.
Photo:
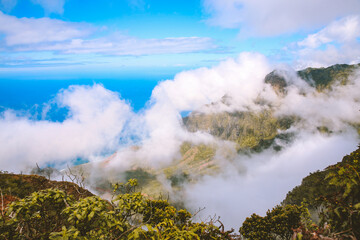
[204,152]
[250,130]
[323,78]
[37,215]
[277,224]
[141,175]
[159,210]
[277,82]
[256,228]
[342,209]
[178,179]
[257,130]
[284,219]
[312,187]
[90,217]
[336,192]
[186,146]
[197,160]
[19,185]
[52,214]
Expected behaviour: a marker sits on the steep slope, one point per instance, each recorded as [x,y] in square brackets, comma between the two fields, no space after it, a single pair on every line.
[311,188]
[249,130]
[317,184]
[324,78]
[335,194]
[252,130]
[18,186]
[196,161]
[320,78]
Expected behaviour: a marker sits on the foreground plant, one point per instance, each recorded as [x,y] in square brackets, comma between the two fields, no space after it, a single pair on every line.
[52,214]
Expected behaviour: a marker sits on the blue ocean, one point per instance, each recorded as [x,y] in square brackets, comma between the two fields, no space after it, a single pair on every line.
[24,95]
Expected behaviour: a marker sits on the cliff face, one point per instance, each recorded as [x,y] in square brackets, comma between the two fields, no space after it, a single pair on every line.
[248,129]
[18,186]
[323,78]
[258,130]
[320,78]
[277,81]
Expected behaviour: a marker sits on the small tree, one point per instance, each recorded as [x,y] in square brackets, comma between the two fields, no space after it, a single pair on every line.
[256,228]
[342,209]
[37,215]
[277,224]
[51,214]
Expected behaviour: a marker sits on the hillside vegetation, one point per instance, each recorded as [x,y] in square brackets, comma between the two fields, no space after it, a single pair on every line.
[320,78]
[249,130]
[335,193]
[19,186]
[195,161]
[324,78]
[57,214]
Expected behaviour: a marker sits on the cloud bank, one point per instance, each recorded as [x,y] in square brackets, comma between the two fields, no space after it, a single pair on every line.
[99,123]
[271,18]
[241,78]
[28,31]
[337,42]
[123,45]
[93,127]
[45,34]
[268,178]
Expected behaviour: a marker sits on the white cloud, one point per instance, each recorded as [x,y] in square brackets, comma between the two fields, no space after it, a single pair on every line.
[45,34]
[126,45]
[336,43]
[51,6]
[23,31]
[240,78]
[96,119]
[344,30]
[160,127]
[330,55]
[271,18]
[334,109]
[268,178]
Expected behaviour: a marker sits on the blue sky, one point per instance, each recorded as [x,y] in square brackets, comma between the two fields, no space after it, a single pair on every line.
[59,39]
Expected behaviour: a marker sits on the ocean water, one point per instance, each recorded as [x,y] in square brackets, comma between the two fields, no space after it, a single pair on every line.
[30,95]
